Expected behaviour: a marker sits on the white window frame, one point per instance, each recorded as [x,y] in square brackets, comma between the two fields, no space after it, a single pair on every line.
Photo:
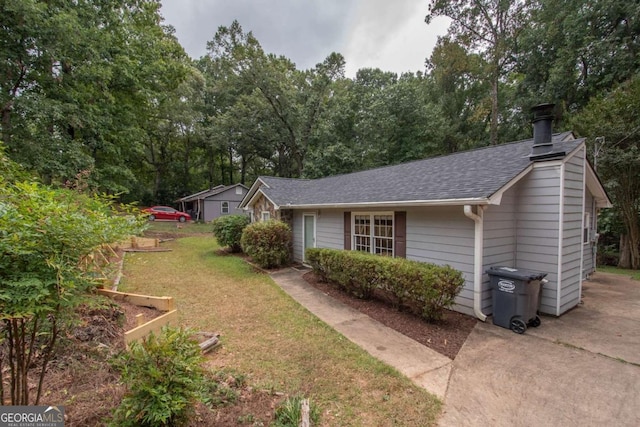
[252,216]
[265,216]
[373,248]
[586,228]
[222,208]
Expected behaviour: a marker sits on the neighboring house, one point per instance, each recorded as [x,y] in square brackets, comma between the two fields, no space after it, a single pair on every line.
[529,204]
[210,204]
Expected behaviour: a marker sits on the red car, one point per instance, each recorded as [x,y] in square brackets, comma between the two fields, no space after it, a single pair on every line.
[165,212]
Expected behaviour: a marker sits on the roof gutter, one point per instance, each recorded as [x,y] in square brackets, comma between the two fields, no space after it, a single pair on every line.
[477,259]
[442,202]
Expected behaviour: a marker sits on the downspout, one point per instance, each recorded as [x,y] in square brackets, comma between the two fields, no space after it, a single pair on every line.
[477,259]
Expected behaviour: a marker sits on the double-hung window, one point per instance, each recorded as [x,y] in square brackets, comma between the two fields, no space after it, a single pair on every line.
[224,208]
[373,232]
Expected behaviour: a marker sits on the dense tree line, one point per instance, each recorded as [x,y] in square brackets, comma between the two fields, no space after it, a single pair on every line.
[104,87]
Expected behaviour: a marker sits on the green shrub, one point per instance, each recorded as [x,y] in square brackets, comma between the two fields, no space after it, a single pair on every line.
[228,230]
[429,287]
[164,378]
[268,243]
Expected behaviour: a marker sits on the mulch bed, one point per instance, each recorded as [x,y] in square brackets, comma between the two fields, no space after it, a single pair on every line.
[445,336]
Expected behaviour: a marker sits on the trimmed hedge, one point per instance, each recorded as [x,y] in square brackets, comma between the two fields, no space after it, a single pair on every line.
[228,230]
[268,243]
[428,287]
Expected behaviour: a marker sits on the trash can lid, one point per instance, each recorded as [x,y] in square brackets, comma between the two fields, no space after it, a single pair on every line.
[516,273]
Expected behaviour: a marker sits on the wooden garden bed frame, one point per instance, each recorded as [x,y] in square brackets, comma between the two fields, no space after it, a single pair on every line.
[165,304]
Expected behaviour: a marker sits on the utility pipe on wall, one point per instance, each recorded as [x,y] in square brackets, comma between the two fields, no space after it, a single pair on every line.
[477,259]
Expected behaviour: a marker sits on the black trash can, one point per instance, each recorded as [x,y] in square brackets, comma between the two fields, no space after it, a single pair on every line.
[516,297]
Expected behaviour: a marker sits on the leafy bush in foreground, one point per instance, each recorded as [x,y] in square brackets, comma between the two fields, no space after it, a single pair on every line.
[228,230]
[268,243]
[429,287]
[165,379]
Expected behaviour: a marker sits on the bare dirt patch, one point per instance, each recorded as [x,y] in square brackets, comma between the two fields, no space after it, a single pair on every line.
[445,336]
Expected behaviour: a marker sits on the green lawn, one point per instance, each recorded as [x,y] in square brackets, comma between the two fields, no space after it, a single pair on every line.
[179,227]
[269,337]
[634,274]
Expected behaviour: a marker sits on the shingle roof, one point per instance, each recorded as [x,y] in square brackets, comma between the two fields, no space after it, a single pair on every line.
[473,174]
[207,193]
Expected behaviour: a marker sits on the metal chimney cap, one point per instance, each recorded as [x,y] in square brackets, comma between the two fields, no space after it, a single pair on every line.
[542,111]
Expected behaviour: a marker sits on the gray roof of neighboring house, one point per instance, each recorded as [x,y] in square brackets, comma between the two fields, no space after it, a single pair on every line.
[208,193]
[474,174]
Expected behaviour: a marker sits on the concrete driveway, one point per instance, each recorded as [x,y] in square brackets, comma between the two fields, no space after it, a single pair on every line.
[581,369]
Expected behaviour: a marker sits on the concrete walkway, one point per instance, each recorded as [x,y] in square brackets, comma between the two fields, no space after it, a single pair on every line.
[425,367]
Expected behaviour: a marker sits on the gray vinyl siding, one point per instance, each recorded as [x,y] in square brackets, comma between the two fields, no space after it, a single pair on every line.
[537,228]
[297,234]
[499,241]
[212,205]
[444,235]
[572,247]
[589,250]
[329,230]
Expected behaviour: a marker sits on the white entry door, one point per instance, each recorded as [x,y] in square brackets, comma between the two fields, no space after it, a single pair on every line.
[308,233]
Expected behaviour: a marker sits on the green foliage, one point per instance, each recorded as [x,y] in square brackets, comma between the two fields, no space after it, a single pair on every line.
[289,412]
[164,377]
[228,230]
[44,233]
[429,287]
[81,87]
[268,243]
[615,117]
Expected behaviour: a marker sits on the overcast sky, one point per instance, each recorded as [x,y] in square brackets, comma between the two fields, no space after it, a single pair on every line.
[386,34]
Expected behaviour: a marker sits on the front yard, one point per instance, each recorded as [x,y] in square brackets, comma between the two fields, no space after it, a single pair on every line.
[272,340]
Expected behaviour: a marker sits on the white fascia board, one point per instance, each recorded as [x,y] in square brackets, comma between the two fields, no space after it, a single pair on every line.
[258,193]
[249,196]
[549,163]
[593,184]
[404,203]
[496,198]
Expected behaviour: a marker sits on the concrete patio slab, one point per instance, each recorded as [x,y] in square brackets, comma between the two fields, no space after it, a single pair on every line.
[607,322]
[571,371]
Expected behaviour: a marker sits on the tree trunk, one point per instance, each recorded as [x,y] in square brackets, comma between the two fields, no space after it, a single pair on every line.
[625,256]
[494,107]
[230,165]
[6,125]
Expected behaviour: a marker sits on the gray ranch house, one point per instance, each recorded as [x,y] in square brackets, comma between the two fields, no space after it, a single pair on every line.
[208,205]
[528,204]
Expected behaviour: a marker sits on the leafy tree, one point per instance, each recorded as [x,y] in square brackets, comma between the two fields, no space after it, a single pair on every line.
[576,49]
[80,84]
[458,87]
[294,99]
[44,233]
[489,28]
[614,116]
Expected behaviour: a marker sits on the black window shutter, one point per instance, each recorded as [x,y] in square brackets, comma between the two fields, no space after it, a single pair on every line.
[400,234]
[347,231]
